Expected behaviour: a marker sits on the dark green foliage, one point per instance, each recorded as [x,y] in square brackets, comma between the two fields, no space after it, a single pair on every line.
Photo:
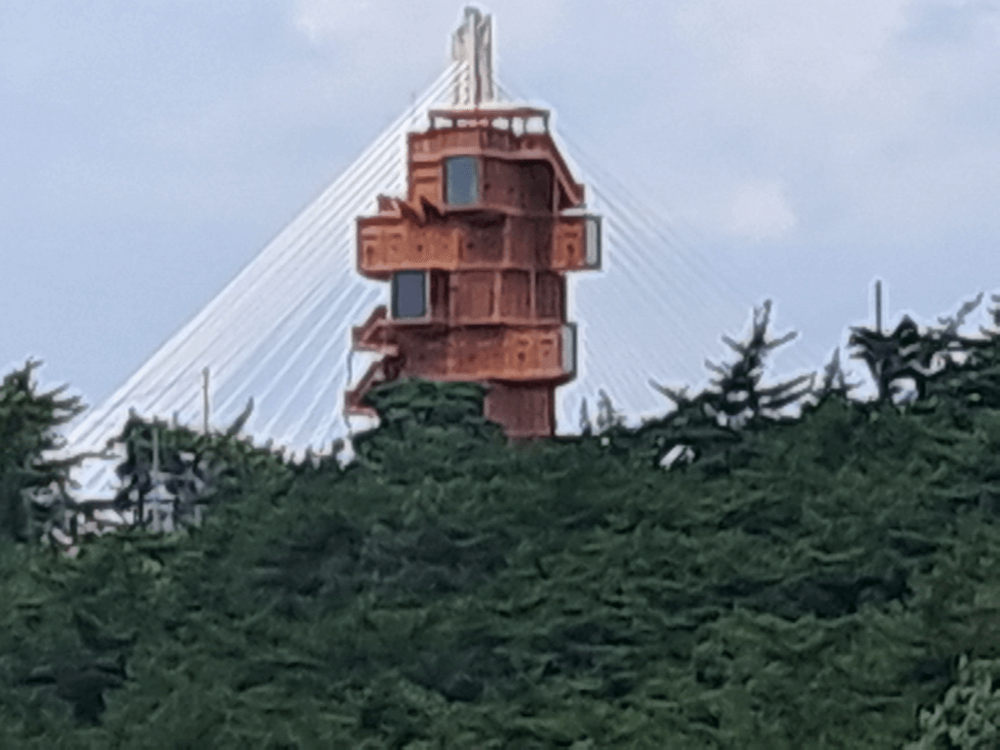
[32,484]
[813,583]
[586,426]
[736,397]
[184,468]
[607,416]
[973,382]
[909,354]
[428,430]
[834,383]
[969,714]
[707,426]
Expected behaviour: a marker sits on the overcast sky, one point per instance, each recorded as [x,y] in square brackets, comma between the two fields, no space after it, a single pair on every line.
[149,150]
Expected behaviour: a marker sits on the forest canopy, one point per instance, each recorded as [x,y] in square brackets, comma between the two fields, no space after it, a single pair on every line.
[827,580]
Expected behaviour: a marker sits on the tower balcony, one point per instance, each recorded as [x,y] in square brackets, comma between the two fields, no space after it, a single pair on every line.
[519,357]
[387,244]
[374,335]
[536,354]
[544,353]
[383,371]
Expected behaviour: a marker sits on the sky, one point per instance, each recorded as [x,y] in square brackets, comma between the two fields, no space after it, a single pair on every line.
[149,150]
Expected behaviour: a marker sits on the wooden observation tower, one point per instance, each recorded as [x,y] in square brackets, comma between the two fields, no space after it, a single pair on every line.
[477,252]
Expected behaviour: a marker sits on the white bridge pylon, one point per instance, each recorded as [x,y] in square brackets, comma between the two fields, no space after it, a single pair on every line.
[280,331]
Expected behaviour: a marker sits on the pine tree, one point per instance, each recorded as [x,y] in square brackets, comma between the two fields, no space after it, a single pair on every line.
[586,426]
[734,401]
[181,468]
[33,486]
[911,354]
[969,715]
[607,416]
[834,380]
[735,398]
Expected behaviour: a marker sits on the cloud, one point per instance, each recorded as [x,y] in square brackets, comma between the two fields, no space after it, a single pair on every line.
[846,102]
[949,22]
[759,210]
[321,20]
[391,27]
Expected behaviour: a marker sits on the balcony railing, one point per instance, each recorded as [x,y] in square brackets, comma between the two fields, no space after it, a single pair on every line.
[385,247]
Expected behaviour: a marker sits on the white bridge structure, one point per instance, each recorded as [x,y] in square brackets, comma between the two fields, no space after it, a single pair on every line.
[279,333]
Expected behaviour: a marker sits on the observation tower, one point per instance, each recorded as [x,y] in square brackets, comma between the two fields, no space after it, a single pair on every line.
[476,254]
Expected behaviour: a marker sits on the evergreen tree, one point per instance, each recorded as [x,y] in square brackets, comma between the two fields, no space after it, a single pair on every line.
[968,717]
[970,373]
[834,380]
[427,429]
[735,397]
[178,470]
[586,426]
[33,486]
[909,354]
[607,416]
[734,401]
[817,595]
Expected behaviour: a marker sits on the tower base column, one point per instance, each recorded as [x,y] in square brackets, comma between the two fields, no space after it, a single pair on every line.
[524,411]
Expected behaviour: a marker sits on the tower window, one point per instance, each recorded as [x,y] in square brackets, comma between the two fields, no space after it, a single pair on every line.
[409,294]
[461,180]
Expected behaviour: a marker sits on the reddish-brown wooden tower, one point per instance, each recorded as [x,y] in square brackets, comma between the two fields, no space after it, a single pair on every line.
[476,255]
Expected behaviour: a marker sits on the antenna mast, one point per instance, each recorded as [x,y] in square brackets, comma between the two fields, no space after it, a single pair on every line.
[472,43]
[878,306]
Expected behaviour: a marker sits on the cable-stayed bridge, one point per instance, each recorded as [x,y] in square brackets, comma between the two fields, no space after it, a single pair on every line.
[280,332]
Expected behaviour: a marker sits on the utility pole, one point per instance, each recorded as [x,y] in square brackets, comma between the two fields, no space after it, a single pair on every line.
[205,394]
[878,306]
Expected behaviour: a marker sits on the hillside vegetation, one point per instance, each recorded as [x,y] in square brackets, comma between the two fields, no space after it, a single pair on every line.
[825,581]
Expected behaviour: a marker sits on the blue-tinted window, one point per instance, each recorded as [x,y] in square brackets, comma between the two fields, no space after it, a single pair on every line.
[409,294]
[461,180]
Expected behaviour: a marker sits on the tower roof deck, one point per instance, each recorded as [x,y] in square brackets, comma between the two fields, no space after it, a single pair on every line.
[506,131]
